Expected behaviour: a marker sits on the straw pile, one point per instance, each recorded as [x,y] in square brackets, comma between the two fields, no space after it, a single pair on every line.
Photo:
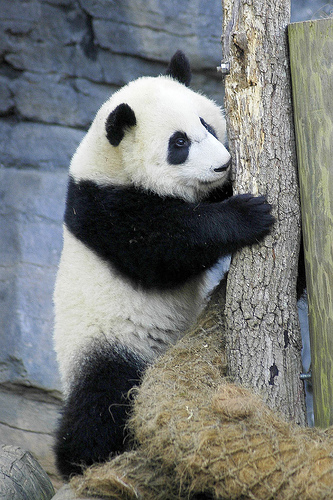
[199,436]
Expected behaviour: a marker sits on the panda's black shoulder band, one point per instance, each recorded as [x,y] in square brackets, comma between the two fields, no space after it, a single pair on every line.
[161,242]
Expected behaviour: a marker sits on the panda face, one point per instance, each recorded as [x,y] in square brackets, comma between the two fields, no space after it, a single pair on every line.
[188,159]
[180,145]
[200,160]
[158,135]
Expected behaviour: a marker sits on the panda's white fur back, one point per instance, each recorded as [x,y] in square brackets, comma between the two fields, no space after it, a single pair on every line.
[92,300]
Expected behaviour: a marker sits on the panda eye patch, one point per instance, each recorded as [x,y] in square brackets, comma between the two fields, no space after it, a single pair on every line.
[208,127]
[178,149]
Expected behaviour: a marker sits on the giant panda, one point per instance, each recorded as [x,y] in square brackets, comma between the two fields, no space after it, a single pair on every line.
[146,218]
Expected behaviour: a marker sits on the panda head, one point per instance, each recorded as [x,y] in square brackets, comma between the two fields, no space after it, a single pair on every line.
[157,134]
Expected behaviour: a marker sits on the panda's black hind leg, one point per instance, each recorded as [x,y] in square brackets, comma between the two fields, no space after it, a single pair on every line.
[92,425]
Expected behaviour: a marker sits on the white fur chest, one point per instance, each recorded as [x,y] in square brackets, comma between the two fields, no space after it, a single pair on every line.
[92,301]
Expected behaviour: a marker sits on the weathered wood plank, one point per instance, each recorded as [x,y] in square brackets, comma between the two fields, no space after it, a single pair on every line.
[311,58]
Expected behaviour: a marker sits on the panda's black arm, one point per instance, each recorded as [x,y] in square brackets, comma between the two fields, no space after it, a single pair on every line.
[161,242]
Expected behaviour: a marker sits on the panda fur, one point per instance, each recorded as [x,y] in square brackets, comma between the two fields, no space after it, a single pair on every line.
[140,236]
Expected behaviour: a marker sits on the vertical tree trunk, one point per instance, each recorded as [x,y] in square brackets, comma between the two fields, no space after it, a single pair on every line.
[263,332]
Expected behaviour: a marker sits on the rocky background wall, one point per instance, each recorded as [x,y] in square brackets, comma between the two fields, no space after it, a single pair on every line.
[59,60]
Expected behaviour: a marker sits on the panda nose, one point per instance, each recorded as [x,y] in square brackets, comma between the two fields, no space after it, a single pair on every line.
[223,167]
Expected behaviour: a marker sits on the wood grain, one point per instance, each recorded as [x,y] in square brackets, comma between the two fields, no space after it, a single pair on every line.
[311,58]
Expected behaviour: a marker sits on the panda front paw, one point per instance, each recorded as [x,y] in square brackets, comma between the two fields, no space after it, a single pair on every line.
[253,217]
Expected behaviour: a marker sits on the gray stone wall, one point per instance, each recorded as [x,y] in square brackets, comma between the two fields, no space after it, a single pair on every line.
[59,60]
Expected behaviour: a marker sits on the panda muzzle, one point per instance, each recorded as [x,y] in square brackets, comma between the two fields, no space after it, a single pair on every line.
[223,167]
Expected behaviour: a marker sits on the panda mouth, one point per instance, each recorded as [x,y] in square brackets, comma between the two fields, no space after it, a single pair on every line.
[207,182]
[224,167]
[216,181]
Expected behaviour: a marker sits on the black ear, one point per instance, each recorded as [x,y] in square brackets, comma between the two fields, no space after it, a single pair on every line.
[121,118]
[179,68]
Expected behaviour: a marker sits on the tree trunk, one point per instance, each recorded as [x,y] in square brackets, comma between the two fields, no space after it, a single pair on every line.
[263,334]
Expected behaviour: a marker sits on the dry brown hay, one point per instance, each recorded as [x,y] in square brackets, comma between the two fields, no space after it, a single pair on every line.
[201,437]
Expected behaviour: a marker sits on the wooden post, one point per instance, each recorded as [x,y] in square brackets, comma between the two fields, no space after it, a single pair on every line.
[311,59]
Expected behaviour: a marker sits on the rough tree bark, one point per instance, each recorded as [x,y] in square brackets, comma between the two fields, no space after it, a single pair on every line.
[264,340]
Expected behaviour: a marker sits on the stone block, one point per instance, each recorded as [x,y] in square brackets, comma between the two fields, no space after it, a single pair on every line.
[31,240]
[19,18]
[56,40]
[47,98]
[6,100]
[28,419]
[156,29]
[36,145]
[119,69]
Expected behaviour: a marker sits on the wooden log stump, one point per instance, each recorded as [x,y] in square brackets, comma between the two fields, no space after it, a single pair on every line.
[21,476]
